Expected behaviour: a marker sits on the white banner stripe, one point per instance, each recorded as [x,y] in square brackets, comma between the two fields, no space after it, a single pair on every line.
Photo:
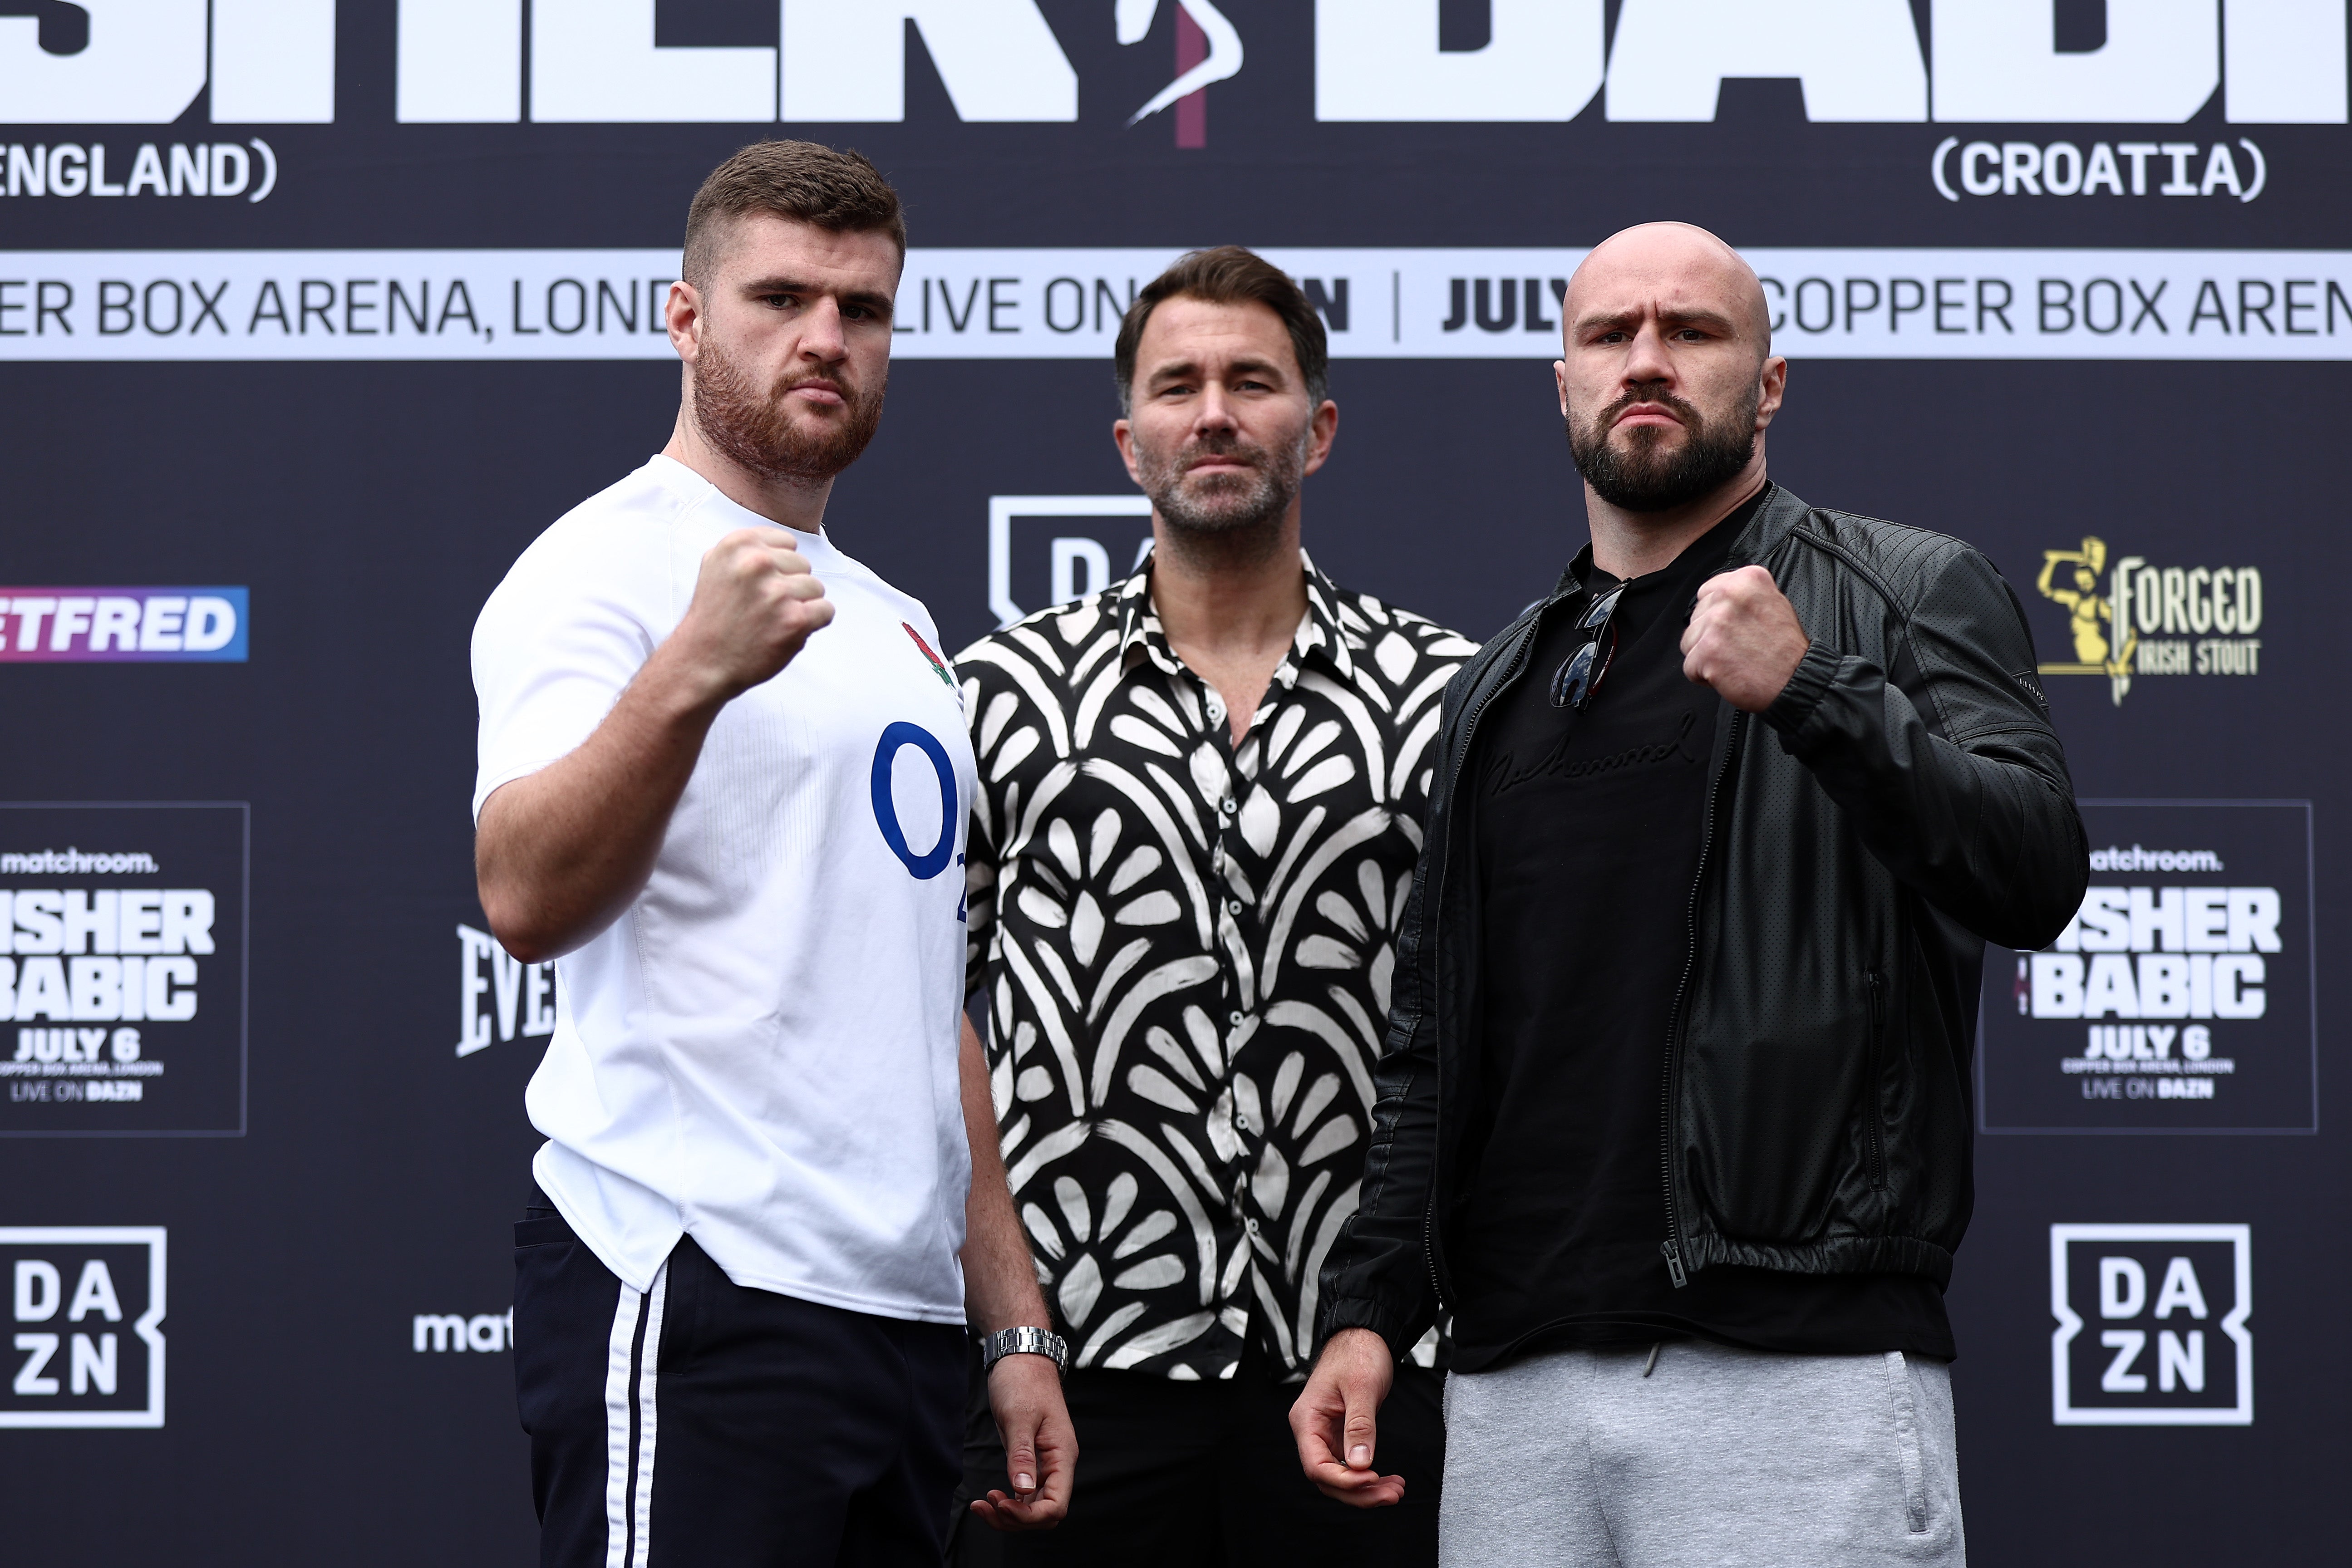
[1378,303]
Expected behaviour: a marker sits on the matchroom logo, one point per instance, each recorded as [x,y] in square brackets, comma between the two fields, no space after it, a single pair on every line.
[2182,996]
[2151,1325]
[84,1304]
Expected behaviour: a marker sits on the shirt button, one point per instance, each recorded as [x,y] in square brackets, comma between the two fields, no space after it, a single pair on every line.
[1234,905]
[1235,1020]
[1252,1227]
[1227,805]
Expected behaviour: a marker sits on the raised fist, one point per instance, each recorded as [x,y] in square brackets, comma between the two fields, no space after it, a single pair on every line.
[1744,638]
[755,603]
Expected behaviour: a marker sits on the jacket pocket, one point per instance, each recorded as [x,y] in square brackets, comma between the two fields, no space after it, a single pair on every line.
[1874,1086]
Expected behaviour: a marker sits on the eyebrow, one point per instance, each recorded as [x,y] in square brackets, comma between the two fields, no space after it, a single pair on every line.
[1180,370]
[1697,316]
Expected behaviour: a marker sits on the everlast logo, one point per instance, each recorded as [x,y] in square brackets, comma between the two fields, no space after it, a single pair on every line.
[273,61]
[2133,618]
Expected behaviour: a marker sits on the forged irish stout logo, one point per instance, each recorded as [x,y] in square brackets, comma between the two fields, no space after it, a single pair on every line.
[2130,617]
[2151,1325]
[122,969]
[84,1306]
[2179,996]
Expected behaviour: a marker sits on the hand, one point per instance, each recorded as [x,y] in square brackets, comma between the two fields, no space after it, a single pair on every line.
[755,603]
[1744,638]
[1337,1412]
[1040,1451]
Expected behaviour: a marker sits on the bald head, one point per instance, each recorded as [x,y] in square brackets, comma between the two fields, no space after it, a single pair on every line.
[1677,269]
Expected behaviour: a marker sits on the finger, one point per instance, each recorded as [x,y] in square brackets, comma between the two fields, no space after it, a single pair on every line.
[800,585]
[1377,1491]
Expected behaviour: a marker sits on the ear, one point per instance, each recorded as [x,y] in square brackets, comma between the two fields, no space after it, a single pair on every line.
[1122,435]
[1559,380]
[682,313]
[1321,432]
[1772,383]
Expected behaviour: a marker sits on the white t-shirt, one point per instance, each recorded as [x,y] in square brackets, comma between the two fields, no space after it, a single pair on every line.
[760,1051]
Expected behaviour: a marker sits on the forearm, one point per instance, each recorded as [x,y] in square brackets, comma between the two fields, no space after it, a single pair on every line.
[1987,832]
[999,1277]
[560,853]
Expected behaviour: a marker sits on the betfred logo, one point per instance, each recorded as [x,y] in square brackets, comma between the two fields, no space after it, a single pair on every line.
[2151,1325]
[123,625]
[85,1302]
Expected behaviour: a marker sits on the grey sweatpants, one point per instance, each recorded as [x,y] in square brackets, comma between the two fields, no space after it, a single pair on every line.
[1718,1456]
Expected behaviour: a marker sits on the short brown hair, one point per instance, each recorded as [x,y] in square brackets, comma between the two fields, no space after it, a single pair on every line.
[840,192]
[1229,274]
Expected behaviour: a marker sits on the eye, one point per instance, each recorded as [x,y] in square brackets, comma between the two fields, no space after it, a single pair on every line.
[780,302]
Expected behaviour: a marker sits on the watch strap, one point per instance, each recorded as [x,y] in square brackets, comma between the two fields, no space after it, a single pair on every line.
[1025,1341]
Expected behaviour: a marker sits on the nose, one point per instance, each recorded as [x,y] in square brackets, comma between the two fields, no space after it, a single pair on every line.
[821,338]
[1648,360]
[1215,414]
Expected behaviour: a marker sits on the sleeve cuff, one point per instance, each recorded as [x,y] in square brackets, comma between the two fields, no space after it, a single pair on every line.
[1356,1313]
[1807,686]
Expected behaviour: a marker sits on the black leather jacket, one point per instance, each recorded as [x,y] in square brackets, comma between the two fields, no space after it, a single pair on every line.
[1902,802]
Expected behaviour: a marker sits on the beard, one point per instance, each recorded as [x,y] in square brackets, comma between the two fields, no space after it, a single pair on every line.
[1224,507]
[1647,472]
[758,431]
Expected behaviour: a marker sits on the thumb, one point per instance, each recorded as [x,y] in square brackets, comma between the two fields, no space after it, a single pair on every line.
[1021,1462]
[1362,1432]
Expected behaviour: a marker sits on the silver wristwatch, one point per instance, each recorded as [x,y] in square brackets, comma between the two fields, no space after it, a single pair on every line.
[1025,1341]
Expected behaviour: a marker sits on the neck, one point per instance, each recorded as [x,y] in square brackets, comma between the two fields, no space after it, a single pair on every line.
[1226,596]
[795,504]
[1635,543]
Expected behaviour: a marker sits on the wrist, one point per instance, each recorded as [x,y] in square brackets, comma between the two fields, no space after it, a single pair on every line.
[682,688]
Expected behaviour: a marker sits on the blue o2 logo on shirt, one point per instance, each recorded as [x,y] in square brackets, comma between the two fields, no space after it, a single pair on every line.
[934,860]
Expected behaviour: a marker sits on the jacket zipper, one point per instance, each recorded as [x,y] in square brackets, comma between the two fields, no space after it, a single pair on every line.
[1453,785]
[1874,1121]
[1673,1246]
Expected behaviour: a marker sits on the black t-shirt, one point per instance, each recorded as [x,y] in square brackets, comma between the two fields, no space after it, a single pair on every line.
[1587,842]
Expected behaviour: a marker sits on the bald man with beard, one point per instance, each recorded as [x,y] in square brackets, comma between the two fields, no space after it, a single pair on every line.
[1673,1114]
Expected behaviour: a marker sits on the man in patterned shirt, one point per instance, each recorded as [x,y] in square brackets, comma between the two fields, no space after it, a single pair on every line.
[1199,810]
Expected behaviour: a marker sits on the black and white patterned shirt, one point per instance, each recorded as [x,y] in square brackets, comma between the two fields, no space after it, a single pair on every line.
[1185,946]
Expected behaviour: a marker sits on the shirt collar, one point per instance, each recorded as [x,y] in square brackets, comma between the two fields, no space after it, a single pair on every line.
[1320,632]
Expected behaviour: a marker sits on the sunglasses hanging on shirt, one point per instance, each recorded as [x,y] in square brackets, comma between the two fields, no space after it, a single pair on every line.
[1580,677]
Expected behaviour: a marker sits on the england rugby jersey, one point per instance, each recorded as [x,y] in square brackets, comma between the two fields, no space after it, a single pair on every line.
[760,1051]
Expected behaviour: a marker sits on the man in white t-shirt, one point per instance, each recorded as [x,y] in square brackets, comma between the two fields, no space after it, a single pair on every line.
[724,780]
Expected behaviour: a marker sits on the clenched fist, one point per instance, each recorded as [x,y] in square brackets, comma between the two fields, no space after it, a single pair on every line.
[1744,638]
[755,603]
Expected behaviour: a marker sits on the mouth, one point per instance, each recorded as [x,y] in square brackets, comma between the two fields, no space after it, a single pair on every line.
[821,393]
[1651,414]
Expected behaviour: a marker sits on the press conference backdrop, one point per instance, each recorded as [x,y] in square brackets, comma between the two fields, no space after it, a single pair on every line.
[313,315]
